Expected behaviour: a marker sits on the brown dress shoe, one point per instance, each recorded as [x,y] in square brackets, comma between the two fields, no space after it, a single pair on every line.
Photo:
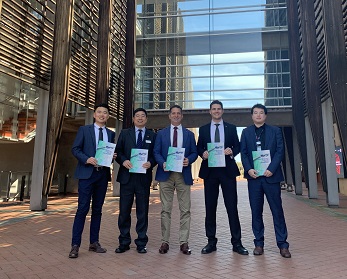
[285,253]
[185,249]
[96,247]
[74,251]
[258,250]
[164,248]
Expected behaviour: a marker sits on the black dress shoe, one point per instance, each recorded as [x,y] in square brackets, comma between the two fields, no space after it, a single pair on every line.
[240,250]
[142,250]
[209,248]
[74,251]
[122,249]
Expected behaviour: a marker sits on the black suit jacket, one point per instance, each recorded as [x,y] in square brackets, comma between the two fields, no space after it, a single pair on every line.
[231,140]
[127,141]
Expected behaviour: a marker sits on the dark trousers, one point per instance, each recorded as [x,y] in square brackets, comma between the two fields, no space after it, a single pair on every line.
[257,188]
[93,189]
[211,189]
[140,188]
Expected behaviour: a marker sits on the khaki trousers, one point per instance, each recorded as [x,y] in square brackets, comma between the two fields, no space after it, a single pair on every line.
[167,189]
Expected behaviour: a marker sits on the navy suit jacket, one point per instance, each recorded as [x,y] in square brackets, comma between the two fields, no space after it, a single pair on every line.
[161,148]
[127,141]
[273,142]
[84,147]
[231,140]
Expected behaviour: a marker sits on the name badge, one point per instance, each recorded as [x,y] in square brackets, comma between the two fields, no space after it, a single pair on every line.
[148,141]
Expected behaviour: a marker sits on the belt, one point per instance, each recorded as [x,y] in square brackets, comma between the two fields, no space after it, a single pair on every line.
[99,168]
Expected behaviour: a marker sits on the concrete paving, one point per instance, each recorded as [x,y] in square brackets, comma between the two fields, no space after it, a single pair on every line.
[36,244]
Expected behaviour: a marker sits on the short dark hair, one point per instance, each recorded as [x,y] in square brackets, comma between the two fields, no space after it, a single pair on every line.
[259,106]
[103,105]
[216,102]
[139,109]
[175,106]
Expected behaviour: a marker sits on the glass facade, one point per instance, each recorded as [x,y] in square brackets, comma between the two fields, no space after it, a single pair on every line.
[192,52]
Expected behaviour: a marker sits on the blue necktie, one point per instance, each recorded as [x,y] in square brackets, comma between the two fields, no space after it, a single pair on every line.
[139,139]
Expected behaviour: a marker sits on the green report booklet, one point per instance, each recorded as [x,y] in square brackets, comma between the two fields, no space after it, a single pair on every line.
[104,153]
[216,156]
[174,160]
[261,161]
[137,158]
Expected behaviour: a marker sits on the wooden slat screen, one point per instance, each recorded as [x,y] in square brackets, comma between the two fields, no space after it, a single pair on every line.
[82,86]
[344,14]
[118,48]
[26,40]
[302,61]
[322,66]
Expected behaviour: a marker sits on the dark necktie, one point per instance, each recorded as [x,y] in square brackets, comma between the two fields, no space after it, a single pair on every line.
[139,139]
[216,134]
[174,142]
[101,136]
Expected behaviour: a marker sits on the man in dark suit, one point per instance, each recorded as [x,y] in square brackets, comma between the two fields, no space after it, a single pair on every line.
[220,131]
[176,136]
[264,137]
[93,179]
[137,184]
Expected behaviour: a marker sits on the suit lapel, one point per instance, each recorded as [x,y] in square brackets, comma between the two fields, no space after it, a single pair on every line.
[109,135]
[208,133]
[185,137]
[92,134]
[268,137]
[132,135]
[252,136]
[226,133]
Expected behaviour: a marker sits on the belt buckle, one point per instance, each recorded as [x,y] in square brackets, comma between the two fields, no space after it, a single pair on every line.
[98,168]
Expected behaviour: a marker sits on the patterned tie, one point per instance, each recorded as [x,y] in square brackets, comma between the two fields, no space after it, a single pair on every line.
[174,142]
[216,134]
[139,139]
[101,136]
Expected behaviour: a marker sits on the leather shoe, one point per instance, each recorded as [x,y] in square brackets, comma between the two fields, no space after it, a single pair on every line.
[240,249]
[185,249]
[74,251]
[96,247]
[209,248]
[258,250]
[142,250]
[122,249]
[285,253]
[164,248]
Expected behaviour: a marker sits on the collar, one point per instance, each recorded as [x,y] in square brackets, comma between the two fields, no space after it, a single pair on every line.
[220,122]
[143,129]
[97,126]
[179,127]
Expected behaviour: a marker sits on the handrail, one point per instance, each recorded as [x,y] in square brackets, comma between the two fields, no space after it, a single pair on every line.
[13,185]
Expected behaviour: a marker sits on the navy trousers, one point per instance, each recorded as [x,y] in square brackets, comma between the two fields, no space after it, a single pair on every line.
[211,191]
[93,189]
[136,187]
[257,188]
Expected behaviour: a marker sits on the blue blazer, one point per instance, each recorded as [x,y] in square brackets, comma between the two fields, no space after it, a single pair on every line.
[231,140]
[161,148]
[273,142]
[84,147]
